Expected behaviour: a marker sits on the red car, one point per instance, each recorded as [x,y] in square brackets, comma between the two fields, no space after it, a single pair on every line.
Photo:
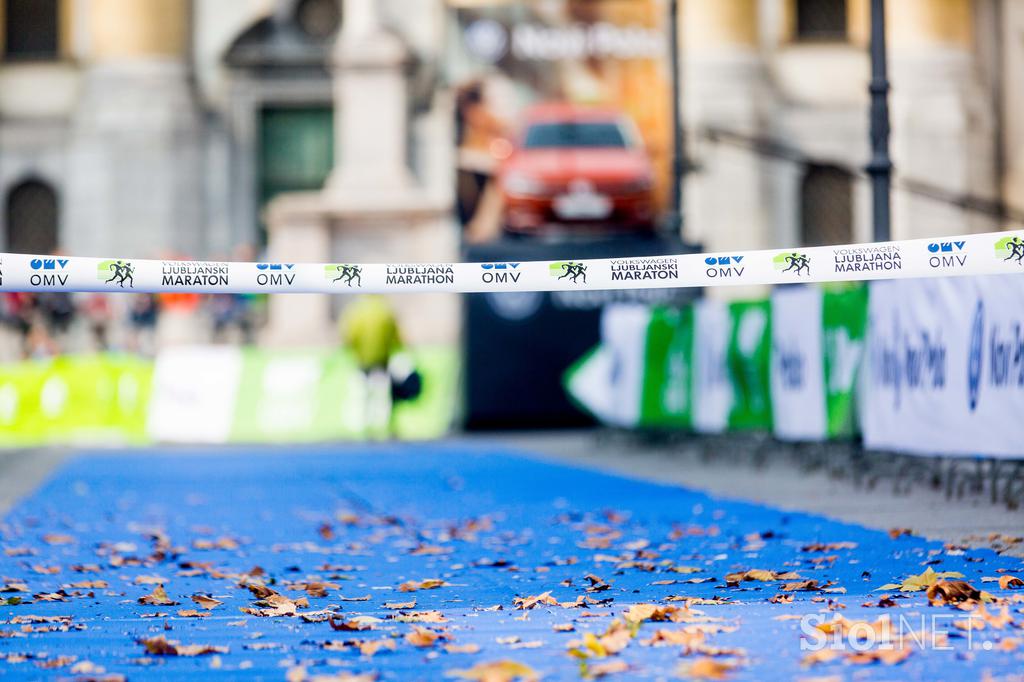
[577,167]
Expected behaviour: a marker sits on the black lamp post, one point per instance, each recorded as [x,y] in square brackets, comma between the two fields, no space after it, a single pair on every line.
[675,213]
[880,166]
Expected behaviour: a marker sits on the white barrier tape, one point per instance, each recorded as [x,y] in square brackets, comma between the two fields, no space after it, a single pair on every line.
[977,254]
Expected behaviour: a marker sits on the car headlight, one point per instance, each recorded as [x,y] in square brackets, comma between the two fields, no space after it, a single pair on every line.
[518,182]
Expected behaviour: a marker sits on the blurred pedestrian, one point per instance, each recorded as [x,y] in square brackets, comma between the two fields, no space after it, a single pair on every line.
[369,329]
[142,318]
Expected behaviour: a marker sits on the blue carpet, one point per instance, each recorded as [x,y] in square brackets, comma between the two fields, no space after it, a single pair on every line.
[493,525]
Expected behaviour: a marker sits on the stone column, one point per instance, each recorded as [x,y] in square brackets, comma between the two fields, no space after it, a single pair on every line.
[942,120]
[370,109]
[723,87]
[135,182]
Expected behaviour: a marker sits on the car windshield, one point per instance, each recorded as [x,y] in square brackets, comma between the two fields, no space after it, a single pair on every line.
[571,134]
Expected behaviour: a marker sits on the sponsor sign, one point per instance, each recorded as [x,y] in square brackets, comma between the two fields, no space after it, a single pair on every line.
[500,273]
[869,258]
[947,255]
[194,274]
[48,272]
[643,269]
[275,274]
[945,366]
[417,275]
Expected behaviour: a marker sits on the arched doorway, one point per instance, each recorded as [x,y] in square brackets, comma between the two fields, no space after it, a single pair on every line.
[30,216]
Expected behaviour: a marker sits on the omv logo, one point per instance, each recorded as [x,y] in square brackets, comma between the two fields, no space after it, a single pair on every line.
[48,263]
[946,247]
[974,357]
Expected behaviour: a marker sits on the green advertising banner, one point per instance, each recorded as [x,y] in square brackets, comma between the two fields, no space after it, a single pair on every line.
[665,399]
[748,358]
[74,398]
[844,319]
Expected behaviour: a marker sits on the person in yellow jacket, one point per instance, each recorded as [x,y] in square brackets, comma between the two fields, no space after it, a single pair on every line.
[368,327]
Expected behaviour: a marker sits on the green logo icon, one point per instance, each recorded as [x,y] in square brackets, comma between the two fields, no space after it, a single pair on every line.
[1010,248]
[351,275]
[574,270]
[119,272]
[791,261]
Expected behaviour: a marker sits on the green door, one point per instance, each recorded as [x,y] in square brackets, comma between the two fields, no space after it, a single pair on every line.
[296,150]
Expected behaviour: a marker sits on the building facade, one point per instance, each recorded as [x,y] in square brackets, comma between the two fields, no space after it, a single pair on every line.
[144,127]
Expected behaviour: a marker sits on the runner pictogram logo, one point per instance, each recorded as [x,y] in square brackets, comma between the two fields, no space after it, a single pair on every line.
[119,272]
[574,270]
[797,263]
[1013,247]
[344,272]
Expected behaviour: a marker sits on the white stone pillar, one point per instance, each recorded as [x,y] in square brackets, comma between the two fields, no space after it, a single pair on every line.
[942,122]
[370,109]
[724,87]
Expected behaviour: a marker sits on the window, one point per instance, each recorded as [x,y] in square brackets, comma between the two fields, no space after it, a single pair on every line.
[568,134]
[826,206]
[823,20]
[30,29]
[31,217]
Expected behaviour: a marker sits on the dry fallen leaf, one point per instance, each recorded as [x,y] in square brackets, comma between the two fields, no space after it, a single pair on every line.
[206,602]
[428,584]
[158,597]
[370,648]
[707,669]
[462,648]
[951,592]
[399,605]
[1009,581]
[423,637]
[161,646]
[497,671]
[760,575]
[923,581]
[527,603]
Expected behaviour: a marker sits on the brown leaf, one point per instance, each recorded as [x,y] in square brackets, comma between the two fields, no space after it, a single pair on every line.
[206,602]
[498,671]
[57,539]
[527,603]
[413,585]
[398,605]
[423,637]
[708,669]
[462,648]
[1008,581]
[371,647]
[606,668]
[158,597]
[161,646]
[951,592]
[759,575]
[192,613]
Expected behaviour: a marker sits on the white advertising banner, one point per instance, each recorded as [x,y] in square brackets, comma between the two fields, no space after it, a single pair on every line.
[624,336]
[797,364]
[712,386]
[193,394]
[944,370]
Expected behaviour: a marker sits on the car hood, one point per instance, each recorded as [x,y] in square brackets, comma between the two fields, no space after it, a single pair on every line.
[565,164]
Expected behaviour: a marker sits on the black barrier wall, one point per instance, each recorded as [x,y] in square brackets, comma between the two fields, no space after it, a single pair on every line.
[518,345]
